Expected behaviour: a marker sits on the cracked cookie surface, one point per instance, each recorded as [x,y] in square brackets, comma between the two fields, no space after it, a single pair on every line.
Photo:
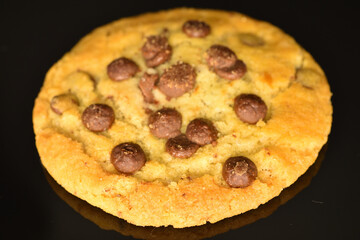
[168,190]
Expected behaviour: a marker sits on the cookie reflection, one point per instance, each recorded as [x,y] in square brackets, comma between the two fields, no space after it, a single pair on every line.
[109,222]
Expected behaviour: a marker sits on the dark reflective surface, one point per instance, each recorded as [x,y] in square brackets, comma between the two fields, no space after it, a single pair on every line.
[35,34]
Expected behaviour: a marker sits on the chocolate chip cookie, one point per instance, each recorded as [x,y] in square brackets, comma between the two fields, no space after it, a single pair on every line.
[182,117]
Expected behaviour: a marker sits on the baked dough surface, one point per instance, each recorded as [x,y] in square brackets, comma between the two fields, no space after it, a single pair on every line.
[169,190]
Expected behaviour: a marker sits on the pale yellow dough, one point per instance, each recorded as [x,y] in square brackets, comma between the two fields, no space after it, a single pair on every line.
[168,190]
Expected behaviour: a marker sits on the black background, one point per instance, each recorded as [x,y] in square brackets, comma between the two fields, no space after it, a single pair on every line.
[33,36]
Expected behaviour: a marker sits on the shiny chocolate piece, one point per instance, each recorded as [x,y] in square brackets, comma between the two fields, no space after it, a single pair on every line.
[177,80]
[156,50]
[165,123]
[181,147]
[128,157]
[201,131]
[98,117]
[234,72]
[250,108]
[63,102]
[239,172]
[196,29]
[121,69]
[146,85]
[220,56]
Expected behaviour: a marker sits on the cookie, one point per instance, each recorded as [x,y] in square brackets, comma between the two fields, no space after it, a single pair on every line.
[182,117]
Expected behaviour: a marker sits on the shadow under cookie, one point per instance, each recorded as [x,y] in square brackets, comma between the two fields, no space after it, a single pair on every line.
[109,222]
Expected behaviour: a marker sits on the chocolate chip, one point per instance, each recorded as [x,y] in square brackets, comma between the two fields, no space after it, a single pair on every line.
[251,40]
[146,84]
[177,80]
[225,63]
[121,69]
[98,117]
[128,157]
[165,123]
[220,56]
[196,29]
[156,50]
[181,147]
[201,131]
[250,108]
[239,172]
[234,72]
[63,102]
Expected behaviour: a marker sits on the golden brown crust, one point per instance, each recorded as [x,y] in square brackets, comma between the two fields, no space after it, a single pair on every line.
[282,147]
[109,222]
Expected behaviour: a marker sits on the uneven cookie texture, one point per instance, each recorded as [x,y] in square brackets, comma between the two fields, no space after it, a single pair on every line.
[119,66]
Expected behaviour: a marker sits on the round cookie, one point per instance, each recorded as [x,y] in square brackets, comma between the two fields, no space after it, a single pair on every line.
[164,189]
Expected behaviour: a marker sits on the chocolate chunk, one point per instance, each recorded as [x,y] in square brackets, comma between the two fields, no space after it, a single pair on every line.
[146,84]
[201,131]
[121,69]
[181,147]
[165,123]
[156,50]
[225,63]
[220,56]
[239,172]
[234,72]
[250,108]
[196,29]
[63,102]
[251,40]
[177,80]
[98,117]
[128,157]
